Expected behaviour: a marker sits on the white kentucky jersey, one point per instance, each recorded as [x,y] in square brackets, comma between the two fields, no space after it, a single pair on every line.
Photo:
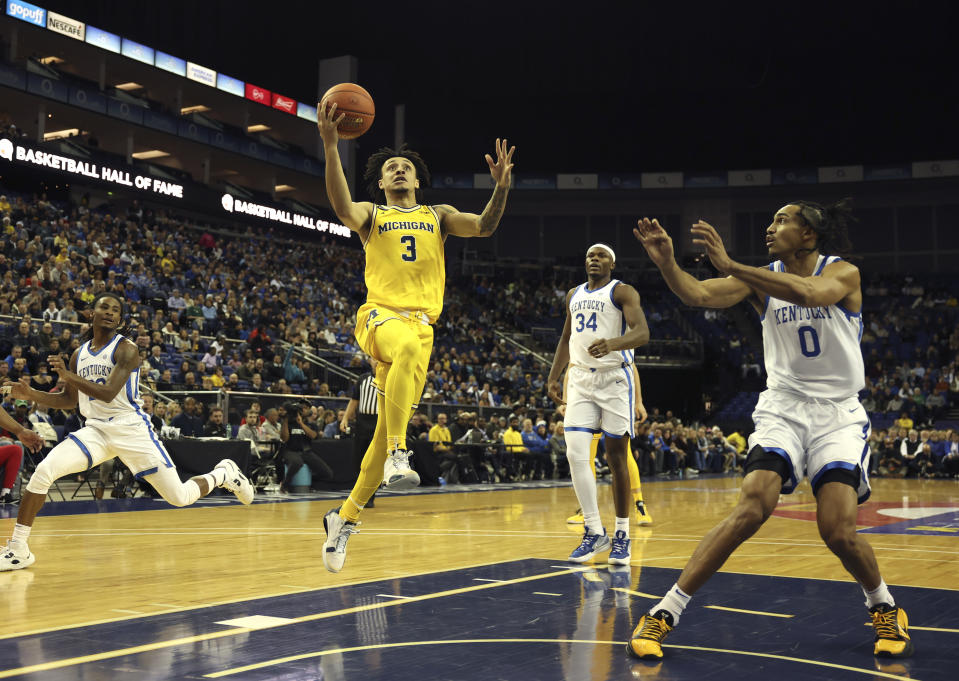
[595,315]
[97,367]
[813,351]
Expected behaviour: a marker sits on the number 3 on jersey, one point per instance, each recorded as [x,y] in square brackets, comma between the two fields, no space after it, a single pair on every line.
[583,323]
[410,241]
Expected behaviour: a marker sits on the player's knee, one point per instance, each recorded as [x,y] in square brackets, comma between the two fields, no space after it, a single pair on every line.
[748,517]
[43,478]
[406,345]
[841,540]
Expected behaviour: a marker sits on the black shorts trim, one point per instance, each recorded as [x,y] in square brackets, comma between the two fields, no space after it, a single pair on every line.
[844,475]
[759,459]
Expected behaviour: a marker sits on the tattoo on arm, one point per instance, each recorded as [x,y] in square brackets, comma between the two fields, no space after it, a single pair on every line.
[489,219]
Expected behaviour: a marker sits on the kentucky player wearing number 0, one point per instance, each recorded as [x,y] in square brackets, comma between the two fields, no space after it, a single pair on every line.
[808,421]
[405,277]
[103,378]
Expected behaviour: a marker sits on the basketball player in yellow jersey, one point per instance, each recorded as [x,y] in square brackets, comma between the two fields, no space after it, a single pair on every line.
[405,277]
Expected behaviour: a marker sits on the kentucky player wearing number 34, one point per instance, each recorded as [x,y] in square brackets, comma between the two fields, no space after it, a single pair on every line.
[808,421]
[103,378]
[405,277]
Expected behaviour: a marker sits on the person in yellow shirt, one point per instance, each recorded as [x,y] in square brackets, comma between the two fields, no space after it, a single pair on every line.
[904,421]
[440,436]
[405,278]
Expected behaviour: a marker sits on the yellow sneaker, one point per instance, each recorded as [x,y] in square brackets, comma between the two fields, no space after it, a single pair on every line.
[642,514]
[577,518]
[892,631]
[646,642]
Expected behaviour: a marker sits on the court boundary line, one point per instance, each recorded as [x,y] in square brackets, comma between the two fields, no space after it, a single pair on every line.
[214,604]
[236,631]
[381,646]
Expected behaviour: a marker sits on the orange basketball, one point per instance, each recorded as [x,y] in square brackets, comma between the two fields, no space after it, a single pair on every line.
[356,103]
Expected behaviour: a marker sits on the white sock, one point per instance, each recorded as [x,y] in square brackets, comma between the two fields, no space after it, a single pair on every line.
[879,595]
[4,492]
[584,482]
[674,603]
[21,533]
[622,525]
[216,477]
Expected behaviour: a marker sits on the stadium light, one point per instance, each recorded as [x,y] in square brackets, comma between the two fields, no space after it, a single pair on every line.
[283,188]
[128,86]
[196,108]
[60,134]
[153,153]
[47,61]
[258,127]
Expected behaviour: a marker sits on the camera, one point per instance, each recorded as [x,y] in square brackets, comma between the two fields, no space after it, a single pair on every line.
[293,408]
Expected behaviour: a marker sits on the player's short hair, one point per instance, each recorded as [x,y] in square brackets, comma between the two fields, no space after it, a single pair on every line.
[831,224]
[374,171]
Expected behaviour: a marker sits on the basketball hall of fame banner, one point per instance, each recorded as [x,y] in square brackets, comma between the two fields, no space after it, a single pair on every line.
[50,159]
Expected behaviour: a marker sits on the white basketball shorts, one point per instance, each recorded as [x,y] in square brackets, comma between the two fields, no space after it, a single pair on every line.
[813,436]
[131,438]
[600,400]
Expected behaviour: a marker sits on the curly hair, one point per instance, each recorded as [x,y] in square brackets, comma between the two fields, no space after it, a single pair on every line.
[831,224]
[374,171]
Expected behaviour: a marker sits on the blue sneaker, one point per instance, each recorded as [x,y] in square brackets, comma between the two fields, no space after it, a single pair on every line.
[620,554]
[590,546]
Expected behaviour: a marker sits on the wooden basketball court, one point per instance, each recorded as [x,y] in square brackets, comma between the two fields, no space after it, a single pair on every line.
[466,584]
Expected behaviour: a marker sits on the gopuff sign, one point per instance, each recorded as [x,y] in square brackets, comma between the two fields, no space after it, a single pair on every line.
[24,11]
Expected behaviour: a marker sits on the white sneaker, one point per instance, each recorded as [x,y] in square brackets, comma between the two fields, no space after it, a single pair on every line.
[338,532]
[14,560]
[397,474]
[236,482]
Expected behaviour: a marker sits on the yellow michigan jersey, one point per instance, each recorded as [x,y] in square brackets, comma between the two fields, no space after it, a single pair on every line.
[405,260]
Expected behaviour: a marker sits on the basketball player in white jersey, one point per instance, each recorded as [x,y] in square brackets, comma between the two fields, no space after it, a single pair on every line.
[808,421]
[104,382]
[604,323]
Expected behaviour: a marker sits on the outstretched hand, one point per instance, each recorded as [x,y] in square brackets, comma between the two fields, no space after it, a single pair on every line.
[502,168]
[327,121]
[655,240]
[704,234]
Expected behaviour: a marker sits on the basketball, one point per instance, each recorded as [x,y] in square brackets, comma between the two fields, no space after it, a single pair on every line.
[354,101]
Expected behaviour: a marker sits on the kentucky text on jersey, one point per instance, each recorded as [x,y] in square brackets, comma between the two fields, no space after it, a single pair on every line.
[404,224]
[95,370]
[598,305]
[798,313]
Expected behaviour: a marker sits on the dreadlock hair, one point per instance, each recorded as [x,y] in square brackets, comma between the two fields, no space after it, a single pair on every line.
[374,171]
[831,225]
[121,328]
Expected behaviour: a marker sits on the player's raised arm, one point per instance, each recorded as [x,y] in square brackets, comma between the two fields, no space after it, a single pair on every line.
[717,293]
[560,358]
[470,224]
[127,361]
[838,281]
[356,216]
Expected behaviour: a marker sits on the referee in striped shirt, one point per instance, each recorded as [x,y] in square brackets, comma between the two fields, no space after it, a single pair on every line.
[362,407]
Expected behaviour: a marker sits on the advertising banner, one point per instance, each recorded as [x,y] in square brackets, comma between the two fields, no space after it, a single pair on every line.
[662,180]
[24,11]
[88,98]
[134,50]
[228,84]
[103,39]
[125,111]
[66,26]
[168,62]
[201,74]
[284,103]
[282,215]
[258,94]
[17,153]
